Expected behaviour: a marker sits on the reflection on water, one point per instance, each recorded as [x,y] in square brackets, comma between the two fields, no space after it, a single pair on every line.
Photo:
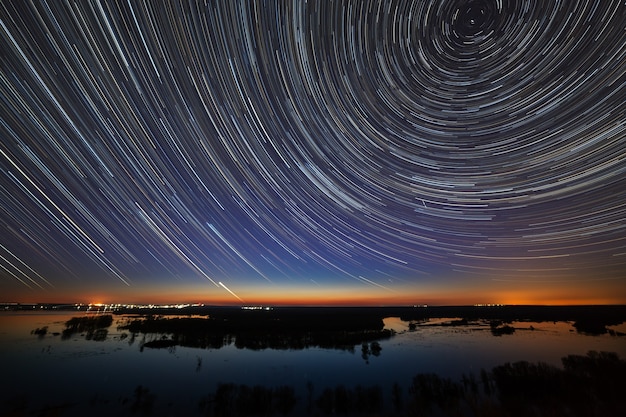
[618,328]
[396,324]
[104,368]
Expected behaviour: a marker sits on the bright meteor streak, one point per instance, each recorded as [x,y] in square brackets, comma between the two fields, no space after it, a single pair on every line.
[227,289]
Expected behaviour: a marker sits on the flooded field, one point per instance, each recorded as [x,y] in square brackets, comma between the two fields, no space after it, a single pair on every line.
[112,369]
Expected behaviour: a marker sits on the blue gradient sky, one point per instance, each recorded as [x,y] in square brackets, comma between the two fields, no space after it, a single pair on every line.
[439,152]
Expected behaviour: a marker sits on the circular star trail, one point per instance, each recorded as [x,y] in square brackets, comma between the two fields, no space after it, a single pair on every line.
[388,144]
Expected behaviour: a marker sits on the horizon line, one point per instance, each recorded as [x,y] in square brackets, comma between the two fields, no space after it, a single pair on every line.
[279,305]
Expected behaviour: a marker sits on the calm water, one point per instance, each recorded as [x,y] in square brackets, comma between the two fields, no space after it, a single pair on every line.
[103,375]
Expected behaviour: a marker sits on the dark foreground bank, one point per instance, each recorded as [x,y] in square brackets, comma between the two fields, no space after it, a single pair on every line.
[584,386]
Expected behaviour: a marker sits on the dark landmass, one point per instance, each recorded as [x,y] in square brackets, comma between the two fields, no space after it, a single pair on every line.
[333,327]
[499,329]
[587,319]
[94,326]
[337,327]
[611,314]
[259,330]
[40,331]
[592,319]
[607,314]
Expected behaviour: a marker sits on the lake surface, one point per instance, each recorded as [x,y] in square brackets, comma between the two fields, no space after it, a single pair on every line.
[76,376]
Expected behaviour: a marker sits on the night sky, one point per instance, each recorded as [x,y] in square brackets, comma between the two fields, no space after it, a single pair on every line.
[313,152]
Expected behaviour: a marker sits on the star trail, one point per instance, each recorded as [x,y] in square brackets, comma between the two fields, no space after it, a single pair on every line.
[313,151]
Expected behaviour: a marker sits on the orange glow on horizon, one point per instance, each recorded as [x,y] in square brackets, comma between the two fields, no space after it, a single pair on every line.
[459,292]
[321,299]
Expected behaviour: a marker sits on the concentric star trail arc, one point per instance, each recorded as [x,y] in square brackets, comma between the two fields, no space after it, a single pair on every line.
[266,145]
